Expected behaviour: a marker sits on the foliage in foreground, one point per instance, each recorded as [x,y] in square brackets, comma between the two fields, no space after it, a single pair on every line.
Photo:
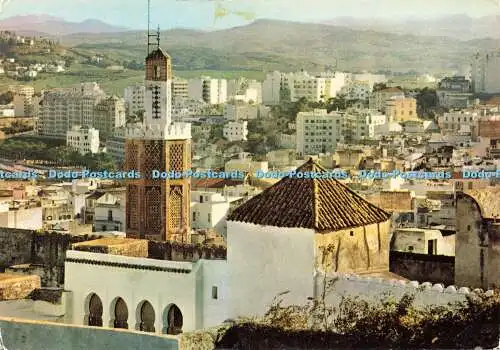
[358,324]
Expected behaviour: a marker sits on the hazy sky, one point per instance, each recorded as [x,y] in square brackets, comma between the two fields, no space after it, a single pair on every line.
[200,13]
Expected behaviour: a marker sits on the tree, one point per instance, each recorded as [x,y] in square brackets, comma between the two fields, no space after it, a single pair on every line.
[379,86]
[426,101]
[6,98]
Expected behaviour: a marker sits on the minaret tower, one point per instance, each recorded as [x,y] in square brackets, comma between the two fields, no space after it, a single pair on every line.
[158,208]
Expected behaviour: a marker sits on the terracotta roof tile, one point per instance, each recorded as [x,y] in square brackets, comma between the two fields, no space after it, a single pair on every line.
[214,183]
[320,204]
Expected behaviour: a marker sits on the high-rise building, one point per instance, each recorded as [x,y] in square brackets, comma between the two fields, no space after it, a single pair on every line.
[134,98]
[158,208]
[485,73]
[318,131]
[108,115]
[61,109]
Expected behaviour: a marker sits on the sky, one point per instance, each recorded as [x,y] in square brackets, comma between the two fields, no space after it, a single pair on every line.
[200,13]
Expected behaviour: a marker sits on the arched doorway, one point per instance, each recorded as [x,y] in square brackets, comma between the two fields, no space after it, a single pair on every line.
[95,311]
[146,317]
[173,320]
[121,314]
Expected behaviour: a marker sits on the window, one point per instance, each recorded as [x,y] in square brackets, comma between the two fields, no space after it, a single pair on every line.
[410,248]
[209,217]
[110,215]
[432,246]
[215,292]
[194,216]
[201,199]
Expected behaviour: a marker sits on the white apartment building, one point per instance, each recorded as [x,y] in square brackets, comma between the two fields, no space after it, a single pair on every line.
[179,89]
[318,131]
[271,88]
[23,100]
[455,122]
[134,98]
[209,210]
[312,87]
[240,111]
[83,139]
[61,109]
[485,73]
[361,124]
[357,90]
[108,115]
[213,91]
[235,131]
[109,212]
[23,106]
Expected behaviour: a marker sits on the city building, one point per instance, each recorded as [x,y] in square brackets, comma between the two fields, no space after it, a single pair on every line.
[318,131]
[213,91]
[209,210]
[83,139]
[485,72]
[108,115]
[378,99]
[238,110]
[61,109]
[134,98]
[459,121]
[179,89]
[401,109]
[454,92]
[235,131]
[115,146]
[158,209]
[361,124]
[109,212]
[271,88]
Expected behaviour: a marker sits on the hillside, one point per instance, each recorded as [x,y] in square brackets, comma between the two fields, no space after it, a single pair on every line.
[460,27]
[269,44]
[49,25]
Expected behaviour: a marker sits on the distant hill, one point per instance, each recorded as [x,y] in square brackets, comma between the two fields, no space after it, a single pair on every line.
[50,25]
[271,44]
[461,27]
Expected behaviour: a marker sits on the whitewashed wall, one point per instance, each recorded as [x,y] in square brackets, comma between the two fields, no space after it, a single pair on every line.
[190,291]
[377,289]
[265,261]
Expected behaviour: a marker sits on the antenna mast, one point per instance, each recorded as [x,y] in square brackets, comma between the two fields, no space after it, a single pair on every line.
[150,35]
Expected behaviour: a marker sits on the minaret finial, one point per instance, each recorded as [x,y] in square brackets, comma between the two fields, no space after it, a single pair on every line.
[158,37]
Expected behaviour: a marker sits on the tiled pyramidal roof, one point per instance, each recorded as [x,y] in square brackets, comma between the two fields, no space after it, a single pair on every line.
[319,204]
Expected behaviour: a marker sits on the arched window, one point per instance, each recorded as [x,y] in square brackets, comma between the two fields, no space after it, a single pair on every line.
[173,320]
[146,317]
[121,314]
[95,311]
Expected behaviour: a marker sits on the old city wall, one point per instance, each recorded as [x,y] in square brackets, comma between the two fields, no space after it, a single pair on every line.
[41,253]
[423,267]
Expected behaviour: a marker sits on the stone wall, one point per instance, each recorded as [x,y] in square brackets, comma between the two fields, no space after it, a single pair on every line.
[423,267]
[32,335]
[184,252]
[45,251]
